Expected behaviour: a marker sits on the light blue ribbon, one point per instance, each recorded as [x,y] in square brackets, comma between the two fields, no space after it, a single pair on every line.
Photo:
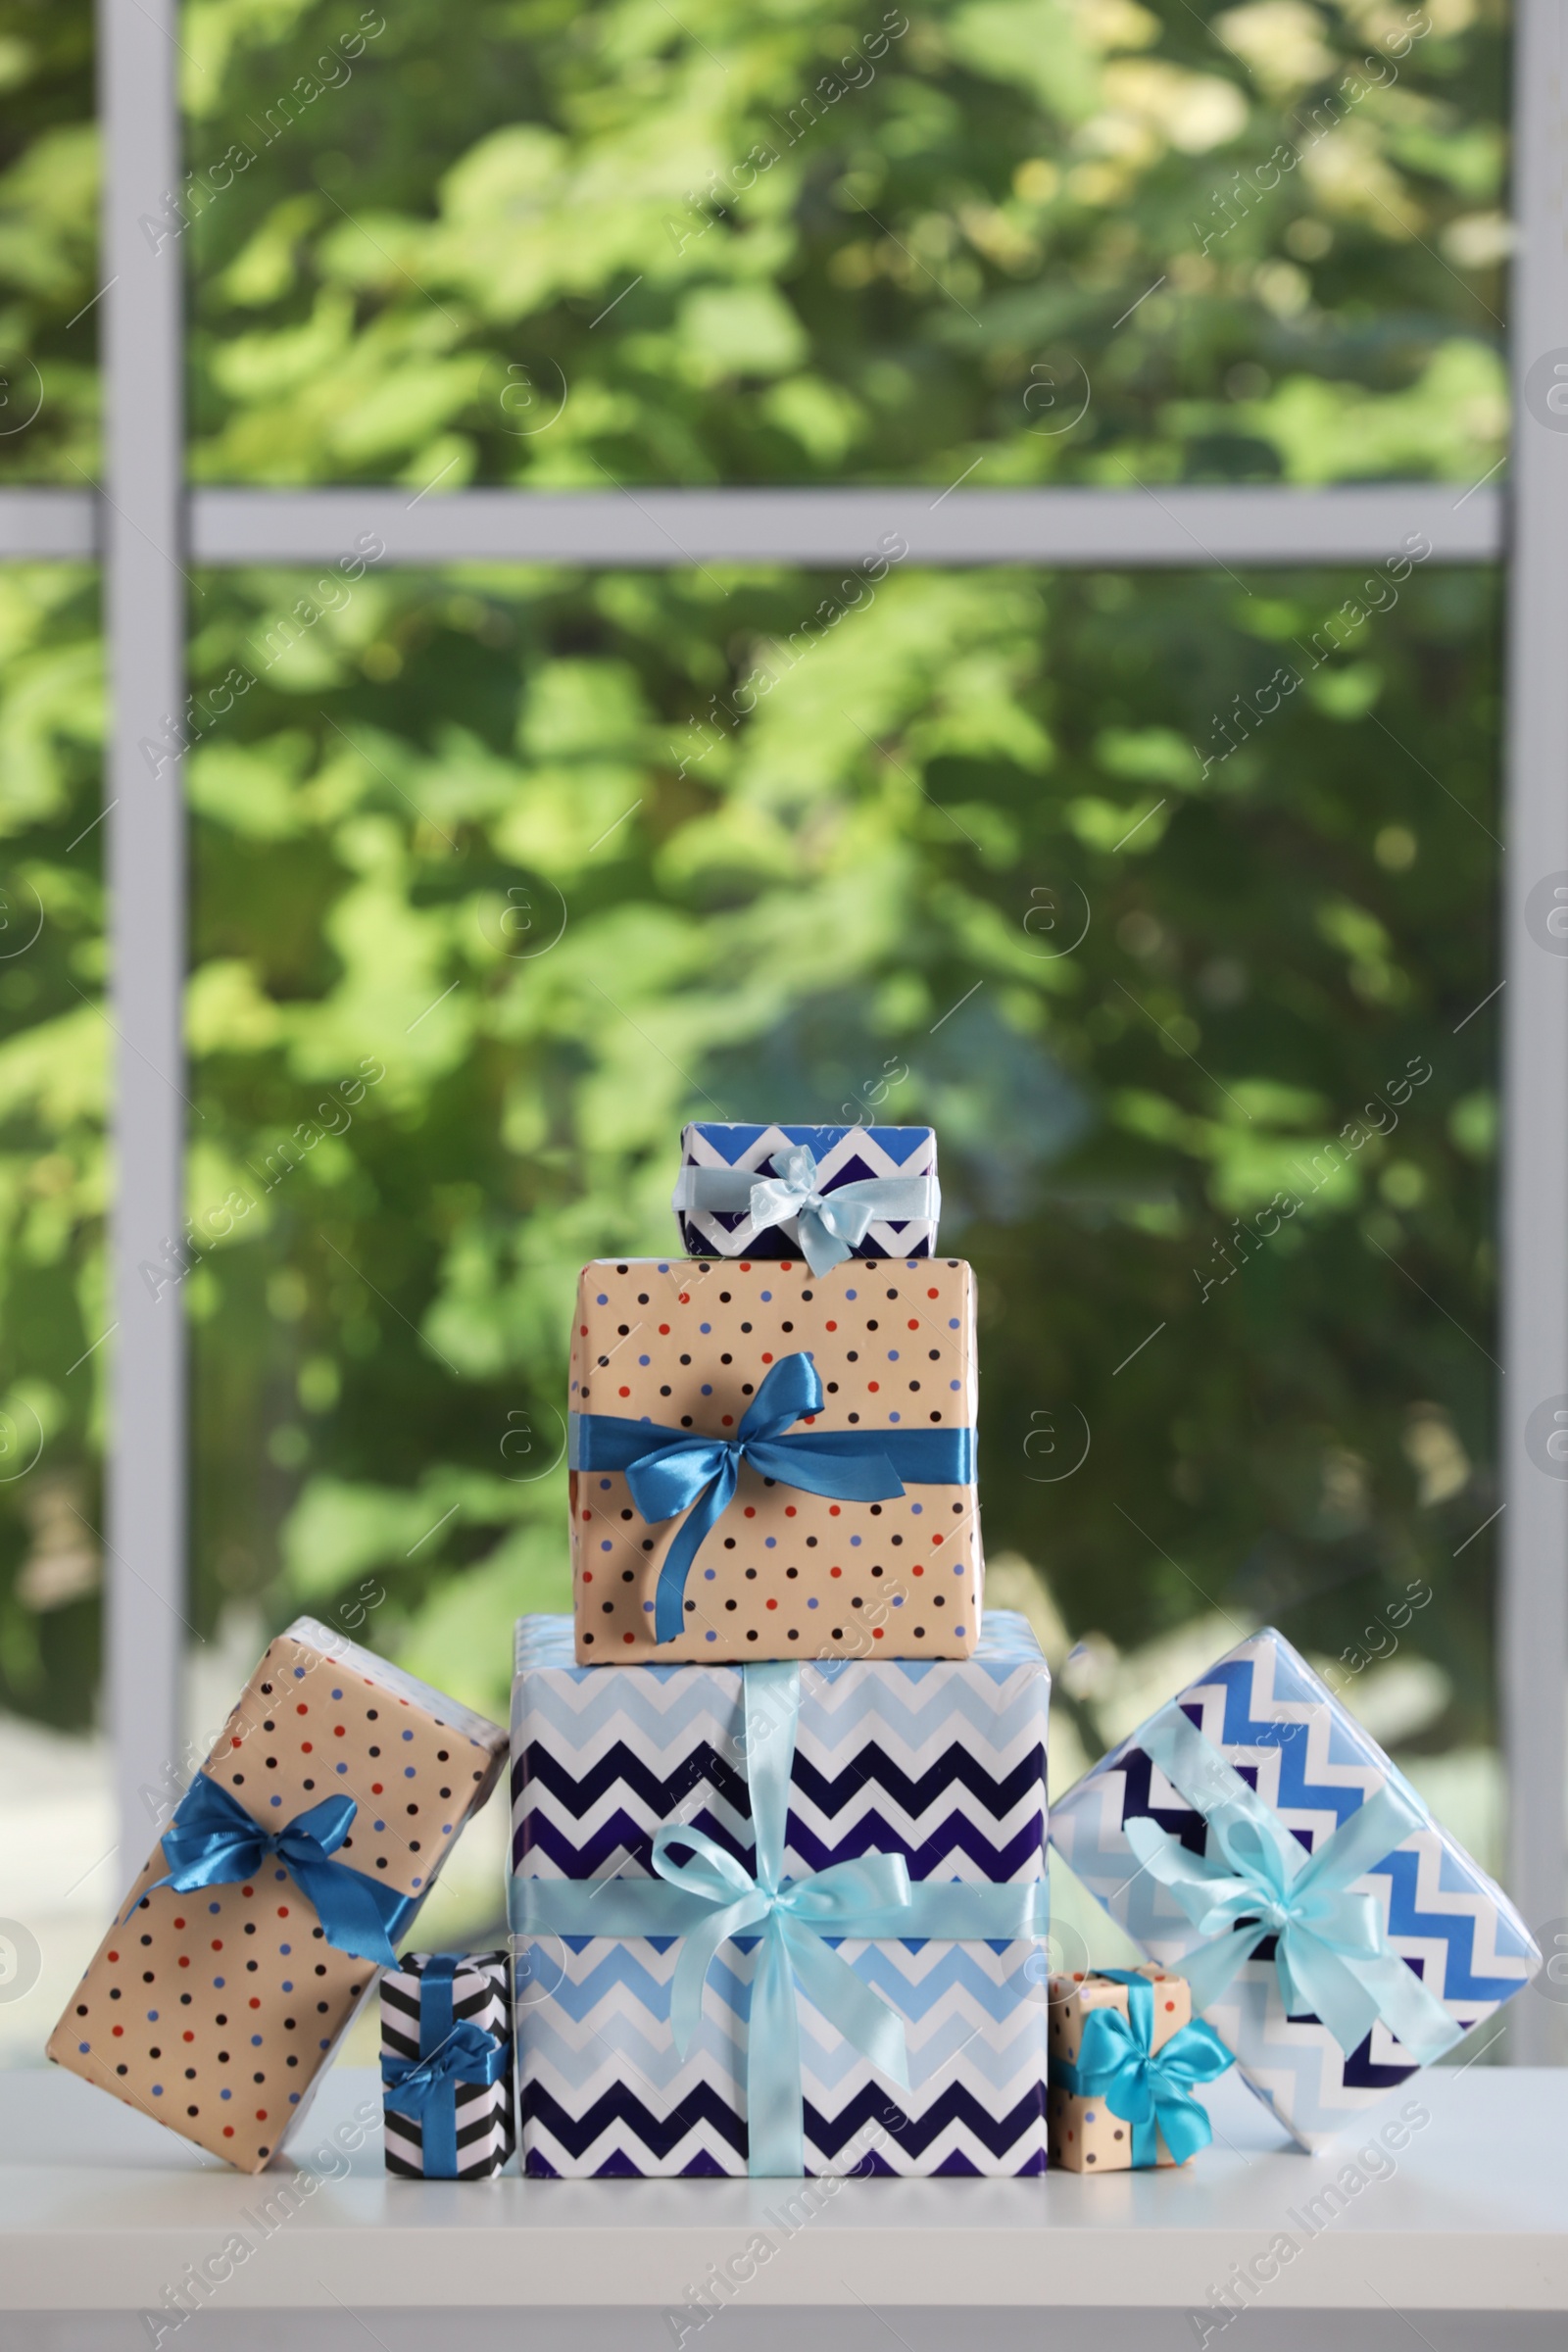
[1333,1959]
[450,2053]
[213,1842]
[709,1897]
[828,1226]
[1150,2090]
[672,1470]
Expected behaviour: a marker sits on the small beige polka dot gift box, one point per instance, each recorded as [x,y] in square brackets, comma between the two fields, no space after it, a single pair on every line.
[1126,2060]
[770,1463]
[300,1854]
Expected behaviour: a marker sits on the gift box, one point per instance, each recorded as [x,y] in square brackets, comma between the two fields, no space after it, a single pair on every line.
[769,1463]
[1254,1838]
[305,1846]
[824,1193]
[446,2065]
[780,1919]
[1125,2058]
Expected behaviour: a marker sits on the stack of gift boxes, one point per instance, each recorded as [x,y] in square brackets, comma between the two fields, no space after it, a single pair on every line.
[779,1895]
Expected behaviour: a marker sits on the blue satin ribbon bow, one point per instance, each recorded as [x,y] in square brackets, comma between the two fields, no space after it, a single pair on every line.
[213,1842]
[1150,2090]
[450,2053]
[1333,1958]
[711,1896]
[829,1226]
[672,1470]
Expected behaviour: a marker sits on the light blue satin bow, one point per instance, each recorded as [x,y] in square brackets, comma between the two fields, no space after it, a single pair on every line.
[213,1842]
[673,1470]
[1150,2090]
[1333,1959]
[830,1226]
[710,1896]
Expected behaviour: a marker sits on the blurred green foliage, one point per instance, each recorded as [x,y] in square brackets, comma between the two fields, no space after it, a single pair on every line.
[53,1177]
[48,241]
[847,242]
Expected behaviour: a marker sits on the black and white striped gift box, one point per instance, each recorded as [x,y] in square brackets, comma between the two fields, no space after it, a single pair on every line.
[484,2112]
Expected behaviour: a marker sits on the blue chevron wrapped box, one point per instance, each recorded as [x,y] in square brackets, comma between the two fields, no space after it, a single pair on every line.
[824,1193]
[928,1777]
[1252,1836]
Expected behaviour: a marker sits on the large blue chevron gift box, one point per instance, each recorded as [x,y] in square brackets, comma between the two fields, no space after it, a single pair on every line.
[1252,1836]
[782,1919]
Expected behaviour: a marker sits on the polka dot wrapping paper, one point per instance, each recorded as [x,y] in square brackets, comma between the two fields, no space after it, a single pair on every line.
[216,2011]
[686,1344]
[1085,2136]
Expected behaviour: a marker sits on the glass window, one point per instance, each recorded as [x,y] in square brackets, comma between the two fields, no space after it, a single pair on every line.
[56,1818]
[48,243]
[1003,241]
[1164,897]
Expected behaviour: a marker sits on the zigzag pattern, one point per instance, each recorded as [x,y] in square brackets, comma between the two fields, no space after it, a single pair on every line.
[843,1156]
[484,2119]
[623,1840]
[943,1764]
[603,2058]
[1284,1733]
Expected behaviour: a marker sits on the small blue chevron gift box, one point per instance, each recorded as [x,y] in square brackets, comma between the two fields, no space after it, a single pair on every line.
[446,2065]
[1252,1836]
[781,1919]
[824,1193]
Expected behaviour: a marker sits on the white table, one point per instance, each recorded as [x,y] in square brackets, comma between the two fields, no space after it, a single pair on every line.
[1464,2243]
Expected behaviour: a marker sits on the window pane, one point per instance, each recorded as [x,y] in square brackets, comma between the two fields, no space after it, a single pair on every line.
[501,877]
[1012,241]
[48,243]
[56,1815]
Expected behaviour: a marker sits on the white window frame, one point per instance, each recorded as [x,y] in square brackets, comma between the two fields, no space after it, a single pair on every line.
[147,529]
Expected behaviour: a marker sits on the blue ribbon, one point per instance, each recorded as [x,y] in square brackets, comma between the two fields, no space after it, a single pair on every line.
[829,1227]
[672,1470]
[1150,2090]
[710,1896]
[450,2053]
[1333,1958]
[213,1842]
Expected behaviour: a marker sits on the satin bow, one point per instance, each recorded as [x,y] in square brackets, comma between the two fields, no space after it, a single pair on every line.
[1150,2090]
[213,1842]
[829,1226]
[468,2054]
[710,1896]
[794,1917]
[1333,1958]
[671,1471]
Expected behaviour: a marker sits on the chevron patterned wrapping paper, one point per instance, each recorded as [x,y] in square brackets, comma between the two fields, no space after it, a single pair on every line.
[843,1156]
[943,1763]
[1284,1733]
[482,2119]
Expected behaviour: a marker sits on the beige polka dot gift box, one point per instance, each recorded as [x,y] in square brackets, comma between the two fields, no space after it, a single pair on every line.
[771,1463]
[1126,2060]
[297,1860]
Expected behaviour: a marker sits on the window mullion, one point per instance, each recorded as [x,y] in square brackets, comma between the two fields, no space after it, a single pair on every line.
[144,593]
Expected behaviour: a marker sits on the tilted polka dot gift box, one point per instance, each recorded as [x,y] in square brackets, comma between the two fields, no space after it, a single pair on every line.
[302,1850]
[769,1463]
